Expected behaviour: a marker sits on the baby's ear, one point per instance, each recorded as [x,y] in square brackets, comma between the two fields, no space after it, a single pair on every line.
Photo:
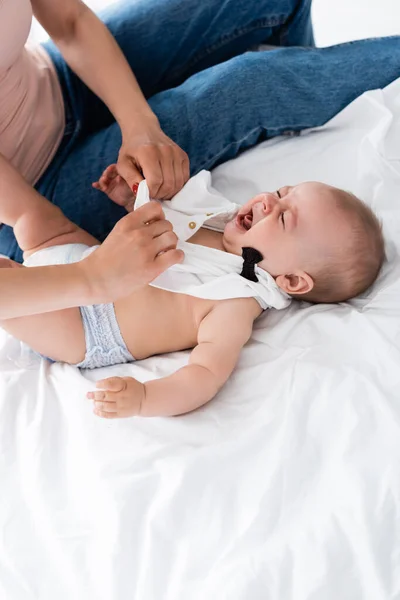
[295,283]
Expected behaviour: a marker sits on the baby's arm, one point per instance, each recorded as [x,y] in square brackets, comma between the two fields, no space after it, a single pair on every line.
[37,223]
[221,336]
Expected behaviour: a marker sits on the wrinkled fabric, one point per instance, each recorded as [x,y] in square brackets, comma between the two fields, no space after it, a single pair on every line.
[284,487]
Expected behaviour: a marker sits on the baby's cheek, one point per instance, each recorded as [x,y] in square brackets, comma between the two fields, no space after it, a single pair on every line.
[228,238]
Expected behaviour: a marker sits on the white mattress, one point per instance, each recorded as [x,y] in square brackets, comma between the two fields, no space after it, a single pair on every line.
[285,487]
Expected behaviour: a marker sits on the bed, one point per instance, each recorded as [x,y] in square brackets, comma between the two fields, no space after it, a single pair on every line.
[285,487]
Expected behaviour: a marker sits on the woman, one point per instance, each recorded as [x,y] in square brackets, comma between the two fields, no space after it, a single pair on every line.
[60,135]
[47,116]
[207,97]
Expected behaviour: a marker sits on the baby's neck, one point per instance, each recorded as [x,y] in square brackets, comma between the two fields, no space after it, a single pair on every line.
[209,238]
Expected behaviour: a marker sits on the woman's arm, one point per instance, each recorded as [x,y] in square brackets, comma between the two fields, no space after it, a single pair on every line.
[92,52]
[128,258]
[134,254]
[29,291]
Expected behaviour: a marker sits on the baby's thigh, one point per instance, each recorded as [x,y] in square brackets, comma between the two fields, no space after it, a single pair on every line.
[58,335]
[59,233]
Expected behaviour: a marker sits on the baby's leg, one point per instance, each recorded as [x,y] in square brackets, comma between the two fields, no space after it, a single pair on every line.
[36,222]
[44,225]
[58,335]
[39,224]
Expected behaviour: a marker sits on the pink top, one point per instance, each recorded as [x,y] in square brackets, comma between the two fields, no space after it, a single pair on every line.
[31,103]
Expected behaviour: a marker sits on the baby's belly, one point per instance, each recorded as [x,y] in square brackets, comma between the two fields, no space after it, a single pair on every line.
[154,321]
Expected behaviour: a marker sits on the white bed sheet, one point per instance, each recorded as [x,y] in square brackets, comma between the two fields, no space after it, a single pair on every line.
[285,487]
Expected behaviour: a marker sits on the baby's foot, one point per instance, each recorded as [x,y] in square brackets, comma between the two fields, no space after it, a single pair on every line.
[116,188]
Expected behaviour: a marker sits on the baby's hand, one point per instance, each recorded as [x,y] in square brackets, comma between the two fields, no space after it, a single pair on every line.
[116,188]
[117,397]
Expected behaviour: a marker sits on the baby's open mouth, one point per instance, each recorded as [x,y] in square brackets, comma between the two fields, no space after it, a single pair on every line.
[245,221]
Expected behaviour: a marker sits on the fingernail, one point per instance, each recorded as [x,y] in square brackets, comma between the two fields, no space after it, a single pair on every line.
[135,188]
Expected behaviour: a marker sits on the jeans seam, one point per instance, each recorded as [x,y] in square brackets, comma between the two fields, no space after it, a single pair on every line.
[267,22]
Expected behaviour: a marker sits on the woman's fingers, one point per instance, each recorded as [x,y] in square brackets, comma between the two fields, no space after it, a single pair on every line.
[163,236]
[129,169]
[169,175]
[166,241]
[128,257]
[185,166]
[169,187]
[181,168]
[152,155]
[168,258]
[149,212]
[157,228]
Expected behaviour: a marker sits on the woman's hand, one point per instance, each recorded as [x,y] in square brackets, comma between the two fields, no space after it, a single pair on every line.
[91,51]
[140,247]
[148,153]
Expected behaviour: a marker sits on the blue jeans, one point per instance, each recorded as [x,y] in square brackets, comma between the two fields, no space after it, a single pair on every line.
[211,96]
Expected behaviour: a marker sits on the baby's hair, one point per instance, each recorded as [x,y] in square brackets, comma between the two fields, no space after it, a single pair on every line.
[355,266]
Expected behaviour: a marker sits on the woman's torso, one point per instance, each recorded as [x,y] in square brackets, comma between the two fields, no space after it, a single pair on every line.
[31,104]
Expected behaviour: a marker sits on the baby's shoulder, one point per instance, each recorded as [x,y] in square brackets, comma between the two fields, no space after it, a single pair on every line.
[239,308]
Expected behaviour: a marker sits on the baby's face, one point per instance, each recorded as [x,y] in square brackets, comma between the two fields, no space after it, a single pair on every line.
[293,228]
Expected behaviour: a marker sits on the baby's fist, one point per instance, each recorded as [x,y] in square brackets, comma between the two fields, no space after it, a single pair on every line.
[117,397]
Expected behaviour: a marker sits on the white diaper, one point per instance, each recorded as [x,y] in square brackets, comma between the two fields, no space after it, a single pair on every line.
[104,343]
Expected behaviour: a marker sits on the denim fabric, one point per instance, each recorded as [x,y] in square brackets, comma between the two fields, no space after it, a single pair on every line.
[210,95]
